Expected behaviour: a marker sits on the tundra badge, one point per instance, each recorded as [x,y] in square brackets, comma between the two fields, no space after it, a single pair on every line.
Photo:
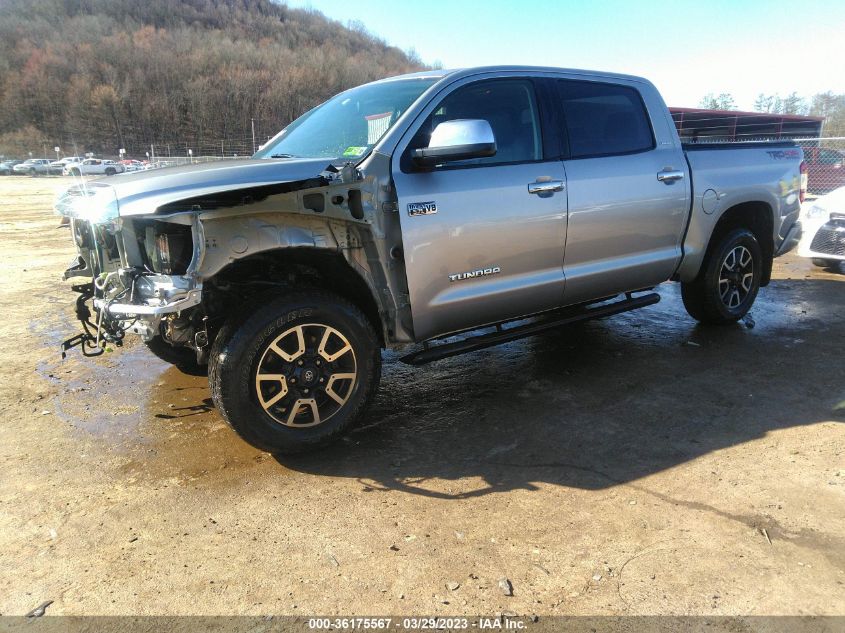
[493,270]
[422,208]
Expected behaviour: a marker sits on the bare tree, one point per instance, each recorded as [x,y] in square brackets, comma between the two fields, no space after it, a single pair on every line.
[722,101]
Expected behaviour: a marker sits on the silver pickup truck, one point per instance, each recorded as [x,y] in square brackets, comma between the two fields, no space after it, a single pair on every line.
[441,212]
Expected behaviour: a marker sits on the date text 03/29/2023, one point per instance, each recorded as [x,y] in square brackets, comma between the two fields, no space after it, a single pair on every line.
[417,623]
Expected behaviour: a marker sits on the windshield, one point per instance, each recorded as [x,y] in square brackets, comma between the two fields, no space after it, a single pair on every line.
[347,125]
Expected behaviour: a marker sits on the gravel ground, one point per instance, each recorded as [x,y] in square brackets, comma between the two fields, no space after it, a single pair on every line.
[637,465]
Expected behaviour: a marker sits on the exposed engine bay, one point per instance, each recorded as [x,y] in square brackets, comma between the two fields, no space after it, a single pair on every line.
[143,280]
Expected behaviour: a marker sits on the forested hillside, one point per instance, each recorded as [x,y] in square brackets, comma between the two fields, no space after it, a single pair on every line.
[104,74]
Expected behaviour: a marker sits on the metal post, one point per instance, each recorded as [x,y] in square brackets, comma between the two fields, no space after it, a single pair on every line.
[253,135]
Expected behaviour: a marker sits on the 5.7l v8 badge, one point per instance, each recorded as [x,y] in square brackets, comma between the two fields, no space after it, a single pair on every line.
[422,208]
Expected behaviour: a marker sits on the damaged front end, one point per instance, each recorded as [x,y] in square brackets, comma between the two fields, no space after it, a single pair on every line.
[151,247]
[141,271]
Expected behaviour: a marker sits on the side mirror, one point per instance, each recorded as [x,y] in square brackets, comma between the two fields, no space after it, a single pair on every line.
[459,139]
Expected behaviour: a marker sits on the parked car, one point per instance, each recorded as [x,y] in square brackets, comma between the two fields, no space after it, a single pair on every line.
[132,165]
[823,221]
[7,165]
[32,167]
[160,164]
[416,208]
[57,166]
[825,169]
[94,167]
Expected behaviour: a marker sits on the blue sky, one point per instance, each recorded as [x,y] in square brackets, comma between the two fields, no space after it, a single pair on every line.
[687,49]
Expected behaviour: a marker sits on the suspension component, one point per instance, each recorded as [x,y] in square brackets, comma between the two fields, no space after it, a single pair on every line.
[94,335]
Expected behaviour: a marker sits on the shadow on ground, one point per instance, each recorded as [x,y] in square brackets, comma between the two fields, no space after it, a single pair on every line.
[589,406]
[602,403]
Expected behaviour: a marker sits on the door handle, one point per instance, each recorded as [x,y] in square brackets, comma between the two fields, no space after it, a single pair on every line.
[548,186]
[670,175]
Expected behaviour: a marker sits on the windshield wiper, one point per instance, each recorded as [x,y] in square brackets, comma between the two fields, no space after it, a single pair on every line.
[283,156]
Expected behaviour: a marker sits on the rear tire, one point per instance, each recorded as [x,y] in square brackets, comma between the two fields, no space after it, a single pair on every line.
[297,373]
[110,171]
[729,280]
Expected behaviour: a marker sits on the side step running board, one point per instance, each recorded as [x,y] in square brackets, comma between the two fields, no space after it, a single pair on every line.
[472,343]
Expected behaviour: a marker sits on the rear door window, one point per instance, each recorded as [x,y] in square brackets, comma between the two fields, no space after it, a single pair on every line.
[603,119]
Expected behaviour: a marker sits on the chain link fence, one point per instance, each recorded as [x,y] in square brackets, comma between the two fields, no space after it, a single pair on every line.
[825,158]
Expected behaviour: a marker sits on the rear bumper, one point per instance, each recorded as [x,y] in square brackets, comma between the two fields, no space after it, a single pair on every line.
[793,236]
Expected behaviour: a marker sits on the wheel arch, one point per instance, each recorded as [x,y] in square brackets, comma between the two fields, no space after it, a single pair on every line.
[754,215]
[303,267]
[757,217]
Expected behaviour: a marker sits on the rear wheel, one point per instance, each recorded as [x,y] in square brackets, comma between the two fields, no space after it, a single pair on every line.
[297,373]
[727,285]
[110,171]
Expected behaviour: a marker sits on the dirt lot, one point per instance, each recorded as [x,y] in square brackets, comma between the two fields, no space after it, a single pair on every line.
[637,465]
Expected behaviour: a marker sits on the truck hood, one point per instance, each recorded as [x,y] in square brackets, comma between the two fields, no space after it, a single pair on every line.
[146,192]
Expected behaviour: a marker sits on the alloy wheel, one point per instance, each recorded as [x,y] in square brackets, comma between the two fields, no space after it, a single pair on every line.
[736,277]
[306,375]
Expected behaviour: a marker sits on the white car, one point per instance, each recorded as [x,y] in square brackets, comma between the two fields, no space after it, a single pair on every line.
[94,167]
[823,226]
[58,166]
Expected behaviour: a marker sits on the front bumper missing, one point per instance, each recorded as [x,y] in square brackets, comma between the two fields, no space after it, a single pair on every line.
[150,298]
[129,310]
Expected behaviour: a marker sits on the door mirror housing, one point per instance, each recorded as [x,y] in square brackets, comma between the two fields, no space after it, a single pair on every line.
[459,139]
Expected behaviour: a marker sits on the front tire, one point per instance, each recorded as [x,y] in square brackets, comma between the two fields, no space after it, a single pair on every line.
[110,171]
[297,373]
[729,280]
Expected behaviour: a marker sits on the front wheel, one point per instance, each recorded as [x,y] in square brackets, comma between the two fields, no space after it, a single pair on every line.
[297,373]
[727,285]
[110,171]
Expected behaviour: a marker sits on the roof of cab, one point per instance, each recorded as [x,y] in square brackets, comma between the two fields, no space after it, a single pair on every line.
[441,73]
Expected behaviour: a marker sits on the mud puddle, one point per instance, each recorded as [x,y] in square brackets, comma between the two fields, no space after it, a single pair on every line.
[157,420]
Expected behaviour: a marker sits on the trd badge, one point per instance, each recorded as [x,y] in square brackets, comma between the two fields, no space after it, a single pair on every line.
[422,208]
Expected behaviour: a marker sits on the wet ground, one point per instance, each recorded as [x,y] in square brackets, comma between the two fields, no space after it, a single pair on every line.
[638,464]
